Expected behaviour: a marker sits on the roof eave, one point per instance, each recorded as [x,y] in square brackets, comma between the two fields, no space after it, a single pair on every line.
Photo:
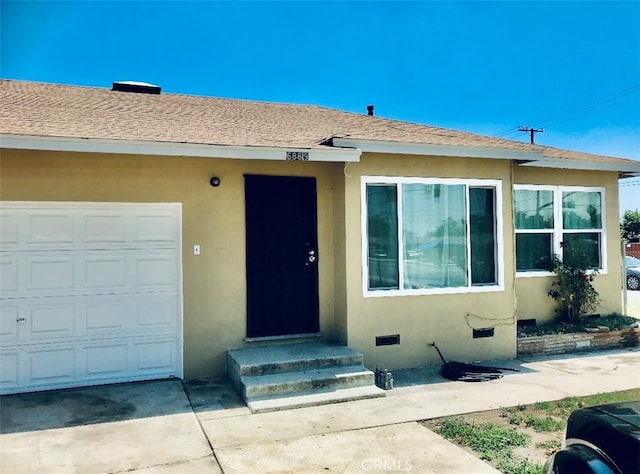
[375,146]
[201,150]
[627,169]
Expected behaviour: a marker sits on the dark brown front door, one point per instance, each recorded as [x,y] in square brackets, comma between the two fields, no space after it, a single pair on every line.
[282,256]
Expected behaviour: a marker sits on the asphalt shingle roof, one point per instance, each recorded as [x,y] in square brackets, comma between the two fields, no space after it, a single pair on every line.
[54,110]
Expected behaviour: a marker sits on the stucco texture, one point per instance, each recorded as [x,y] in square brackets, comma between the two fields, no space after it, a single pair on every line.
[214,283]
[448,319]
[533,302]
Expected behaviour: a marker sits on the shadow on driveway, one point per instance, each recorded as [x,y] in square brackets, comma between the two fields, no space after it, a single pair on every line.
[112,403]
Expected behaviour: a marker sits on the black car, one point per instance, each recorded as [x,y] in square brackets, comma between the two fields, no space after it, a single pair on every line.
[600,439]
[632,265]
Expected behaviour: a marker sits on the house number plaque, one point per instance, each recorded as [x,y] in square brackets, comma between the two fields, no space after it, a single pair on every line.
[297,156]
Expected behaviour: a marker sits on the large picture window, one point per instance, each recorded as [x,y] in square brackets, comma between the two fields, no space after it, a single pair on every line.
[561,220]
[431,236]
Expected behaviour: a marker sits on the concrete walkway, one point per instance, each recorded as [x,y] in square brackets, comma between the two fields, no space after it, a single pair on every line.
[202,426]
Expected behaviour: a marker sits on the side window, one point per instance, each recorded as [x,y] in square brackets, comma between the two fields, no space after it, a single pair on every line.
[565,221]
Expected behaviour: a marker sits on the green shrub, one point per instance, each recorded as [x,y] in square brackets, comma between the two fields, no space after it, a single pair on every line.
[573,289]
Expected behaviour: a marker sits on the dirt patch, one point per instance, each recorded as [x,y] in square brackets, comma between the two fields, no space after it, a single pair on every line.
[541,445]
[543,423]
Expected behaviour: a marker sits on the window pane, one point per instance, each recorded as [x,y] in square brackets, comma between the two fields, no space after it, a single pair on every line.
[534,209]
[434,235]
[482,235]
[533,252]
[382,232]
[581,210]
[582,249]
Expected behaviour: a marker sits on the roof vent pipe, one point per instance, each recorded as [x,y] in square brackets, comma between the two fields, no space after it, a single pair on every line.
[135,86]
[370,110]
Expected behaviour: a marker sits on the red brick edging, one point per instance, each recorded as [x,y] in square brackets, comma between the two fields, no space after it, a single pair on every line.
[578,342]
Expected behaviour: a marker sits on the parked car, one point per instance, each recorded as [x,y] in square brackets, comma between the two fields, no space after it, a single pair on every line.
[600,439]
[632,266]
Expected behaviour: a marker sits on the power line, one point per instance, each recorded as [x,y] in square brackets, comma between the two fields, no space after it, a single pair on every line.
[531,131]
[587,109]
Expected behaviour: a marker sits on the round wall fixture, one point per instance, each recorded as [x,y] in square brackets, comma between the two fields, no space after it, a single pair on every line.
[215,181]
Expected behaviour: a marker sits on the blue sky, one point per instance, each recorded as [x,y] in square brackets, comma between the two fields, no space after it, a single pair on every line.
[572,68]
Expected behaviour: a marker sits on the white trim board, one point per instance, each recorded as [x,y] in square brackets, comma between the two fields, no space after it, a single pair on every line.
[139,147]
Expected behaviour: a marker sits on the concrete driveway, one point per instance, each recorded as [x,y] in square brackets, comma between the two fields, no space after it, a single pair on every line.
[202,426]
[142,427]
[633,303]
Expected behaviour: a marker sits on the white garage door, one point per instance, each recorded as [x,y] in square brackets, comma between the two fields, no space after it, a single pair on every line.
[90,294]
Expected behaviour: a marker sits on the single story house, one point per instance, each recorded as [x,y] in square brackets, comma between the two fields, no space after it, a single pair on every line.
[143,234]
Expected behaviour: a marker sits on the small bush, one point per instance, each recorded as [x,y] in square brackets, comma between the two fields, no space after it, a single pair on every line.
[573,289]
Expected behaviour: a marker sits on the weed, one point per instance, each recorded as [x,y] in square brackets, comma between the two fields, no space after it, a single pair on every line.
[511,465]
[550,446]
[543,406]
[543,424]
[484,437]
[493,443]
[511,415]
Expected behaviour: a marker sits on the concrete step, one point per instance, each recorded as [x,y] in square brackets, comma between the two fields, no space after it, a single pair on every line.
[290,358]
[315,398]
[308,380]
[295,375]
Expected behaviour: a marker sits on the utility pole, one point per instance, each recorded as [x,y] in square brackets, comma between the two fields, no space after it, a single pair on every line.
[532,131]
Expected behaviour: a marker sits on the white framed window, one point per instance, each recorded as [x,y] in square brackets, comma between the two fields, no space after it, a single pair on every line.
[567,221]
[431,236]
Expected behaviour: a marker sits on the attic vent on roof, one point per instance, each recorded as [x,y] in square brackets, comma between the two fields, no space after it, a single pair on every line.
[134,86]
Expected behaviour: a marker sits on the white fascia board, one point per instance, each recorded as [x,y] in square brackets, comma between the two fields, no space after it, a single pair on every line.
[139,147]
[437,150]
[567,164]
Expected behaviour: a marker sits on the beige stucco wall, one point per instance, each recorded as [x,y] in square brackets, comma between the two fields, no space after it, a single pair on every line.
[213,282]
[419,320]
[533,301]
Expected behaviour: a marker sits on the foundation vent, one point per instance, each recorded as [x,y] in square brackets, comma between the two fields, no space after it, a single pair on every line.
[388,340]
[484,332]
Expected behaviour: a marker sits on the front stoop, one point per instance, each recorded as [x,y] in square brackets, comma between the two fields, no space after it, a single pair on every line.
[285,376]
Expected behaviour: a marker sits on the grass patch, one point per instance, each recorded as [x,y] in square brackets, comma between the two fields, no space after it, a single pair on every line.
[549,447]
[546,423]
[612,321]
[493,443]
[533,431]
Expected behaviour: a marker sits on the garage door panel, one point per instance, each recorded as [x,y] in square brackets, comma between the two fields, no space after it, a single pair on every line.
[9,322]
[44,273]
[105,360]
[105,315]
[50,227]
[155,312]
[8,227]
[90,293]
[8,273]
[103,227]
[153,356]
[9,371]
[50,365]
[48,320]
[154,227]
[153,270]
[104,271]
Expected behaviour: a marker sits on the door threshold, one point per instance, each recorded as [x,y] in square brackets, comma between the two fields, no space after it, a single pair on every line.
[282,338]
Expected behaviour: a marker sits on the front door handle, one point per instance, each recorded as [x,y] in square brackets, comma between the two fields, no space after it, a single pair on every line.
[311,257]
[21,320]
